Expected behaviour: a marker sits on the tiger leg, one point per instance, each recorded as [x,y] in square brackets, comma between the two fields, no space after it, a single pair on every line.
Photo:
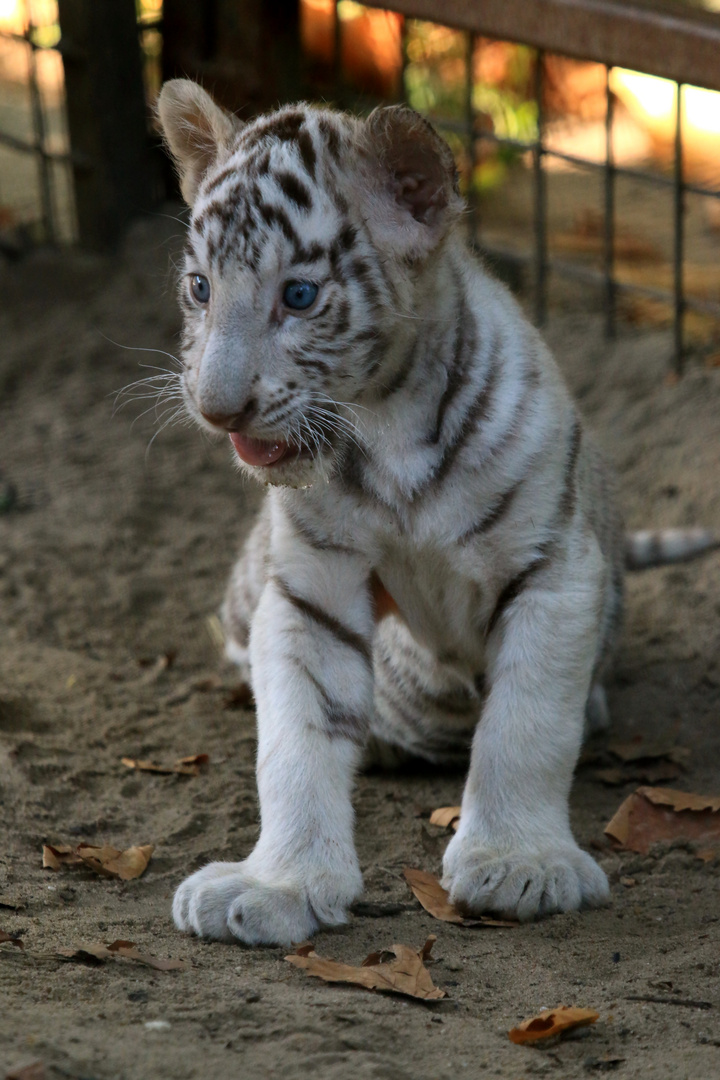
[243,593]
[423,708]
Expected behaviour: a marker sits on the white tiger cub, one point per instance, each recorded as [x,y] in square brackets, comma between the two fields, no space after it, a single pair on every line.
[421,444]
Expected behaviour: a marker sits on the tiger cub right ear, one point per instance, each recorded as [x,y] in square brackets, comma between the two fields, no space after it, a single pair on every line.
[196,130]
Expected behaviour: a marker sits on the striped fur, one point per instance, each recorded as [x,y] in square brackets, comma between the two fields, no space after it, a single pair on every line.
[434,450]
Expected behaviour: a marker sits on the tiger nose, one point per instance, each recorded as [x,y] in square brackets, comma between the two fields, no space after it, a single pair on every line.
[233,421]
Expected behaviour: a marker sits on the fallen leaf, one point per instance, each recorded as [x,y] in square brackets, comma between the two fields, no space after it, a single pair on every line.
[446,816]
[106,860]
[428,890]
[405,974]
[156,668]
[239,697]
[552,1022]
[4,936]
[126,950]
[638,750]
[34,1070]
[186,766]
[708,855]
[652,773]
[57,855]
[110,862]
[655,814]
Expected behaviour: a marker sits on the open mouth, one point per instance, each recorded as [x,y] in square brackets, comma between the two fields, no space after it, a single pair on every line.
[264,452]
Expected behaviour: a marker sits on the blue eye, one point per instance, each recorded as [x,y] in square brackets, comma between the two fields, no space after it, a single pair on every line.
[299,295]
[200,288]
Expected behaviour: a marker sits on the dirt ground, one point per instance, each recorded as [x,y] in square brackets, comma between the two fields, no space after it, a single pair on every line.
[113,555]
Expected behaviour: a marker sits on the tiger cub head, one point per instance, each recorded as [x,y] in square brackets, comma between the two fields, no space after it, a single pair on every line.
[311,232]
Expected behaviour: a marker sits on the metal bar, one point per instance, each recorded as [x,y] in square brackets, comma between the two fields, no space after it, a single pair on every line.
[579,272]
[656,36]
[582,163]
[540,207]
[678,235]
[38,116]
[470,130]
[337,55]
[609,222]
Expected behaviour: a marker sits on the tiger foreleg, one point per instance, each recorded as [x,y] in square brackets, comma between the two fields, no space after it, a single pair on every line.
[311,658]
[514,852]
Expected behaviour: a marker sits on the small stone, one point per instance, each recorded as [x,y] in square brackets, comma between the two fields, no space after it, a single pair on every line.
[157,1025]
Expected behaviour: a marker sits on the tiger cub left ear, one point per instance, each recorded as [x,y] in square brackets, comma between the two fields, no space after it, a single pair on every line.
[197,131]
[413,179]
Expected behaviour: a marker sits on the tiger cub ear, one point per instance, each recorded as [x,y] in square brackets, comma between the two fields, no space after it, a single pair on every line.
[413,179]
[196,130]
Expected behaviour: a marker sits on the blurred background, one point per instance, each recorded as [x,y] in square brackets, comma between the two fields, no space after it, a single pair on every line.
[587,183]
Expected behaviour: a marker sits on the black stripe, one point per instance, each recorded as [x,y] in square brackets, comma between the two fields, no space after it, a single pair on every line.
[283,126]
[216,181]
[307,152]
[478,410]
[331,136]
[402,374]
[275,215]
[491,519]
[463,348]
[342,633]
[513,589]
[406,680]
[568,497]
[321,543]
[296,192]
[314,253]
[339,720]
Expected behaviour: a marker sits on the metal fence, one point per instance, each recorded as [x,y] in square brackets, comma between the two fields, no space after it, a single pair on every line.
[34,129]
[645,35]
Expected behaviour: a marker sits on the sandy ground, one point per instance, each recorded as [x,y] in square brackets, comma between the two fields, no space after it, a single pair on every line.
[112,556]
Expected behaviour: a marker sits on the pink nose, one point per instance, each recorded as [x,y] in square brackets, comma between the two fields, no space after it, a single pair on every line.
[233,421]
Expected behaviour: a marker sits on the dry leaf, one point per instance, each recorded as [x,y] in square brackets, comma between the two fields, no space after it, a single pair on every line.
[156,668]
[552,1022]
[127,950]
[34,1070]
[653,773]
[239,697]
[653,814]
[107,861]
[446,816]
[4,936]
[428,890]
[57,855]
[638,750]
[186,766]
[405,974]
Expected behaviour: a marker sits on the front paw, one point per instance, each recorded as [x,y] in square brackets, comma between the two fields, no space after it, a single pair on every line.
[524,884]
[227,902]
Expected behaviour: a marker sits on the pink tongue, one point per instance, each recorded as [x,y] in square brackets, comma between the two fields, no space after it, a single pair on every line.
[258,451]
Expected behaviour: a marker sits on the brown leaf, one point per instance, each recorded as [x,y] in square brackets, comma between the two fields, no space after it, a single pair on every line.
[186,766]
[106,860]
[405,974]
[652,773]
[57,855]
[446,816]
[4,936]
[638,750]
[110,862]
[552,1022]
[239,697]
[34,1070]
[428,890]
[653,814]
[126,950]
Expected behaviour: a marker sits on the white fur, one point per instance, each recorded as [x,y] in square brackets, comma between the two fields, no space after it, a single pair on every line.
[302,584]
